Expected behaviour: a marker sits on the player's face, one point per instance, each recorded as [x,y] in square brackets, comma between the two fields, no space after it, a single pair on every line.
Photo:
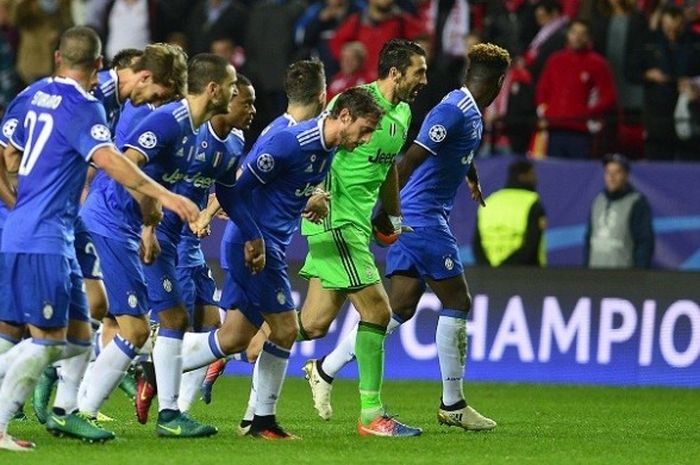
[242,110]
[225,92]
[357,131]
[147,91]
[413,80]
[615,177]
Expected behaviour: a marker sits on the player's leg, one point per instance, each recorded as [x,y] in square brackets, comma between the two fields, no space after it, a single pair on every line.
[127,295]
[451,341]
[40,288]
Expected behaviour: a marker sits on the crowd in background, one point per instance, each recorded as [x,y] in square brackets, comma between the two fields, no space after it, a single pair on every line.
[589,77]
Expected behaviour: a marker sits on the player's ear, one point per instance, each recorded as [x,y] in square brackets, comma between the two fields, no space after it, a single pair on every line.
[57,58]
[212,88]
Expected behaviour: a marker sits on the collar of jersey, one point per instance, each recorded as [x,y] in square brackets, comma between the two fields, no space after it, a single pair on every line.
[115,76]
[321,120]
[471,98]
[189,116]
[72,82]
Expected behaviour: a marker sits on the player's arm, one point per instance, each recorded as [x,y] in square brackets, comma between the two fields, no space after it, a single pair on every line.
[317,206]
[472,180]
[412,159]
[200,227]
[150,207]
[7,192]
[125,172]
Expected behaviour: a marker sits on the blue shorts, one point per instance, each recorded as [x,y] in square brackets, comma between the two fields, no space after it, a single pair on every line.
[86,253]
[164,289]
[254,294]
[123,276]
[43,290]
[427,253]
[197,285]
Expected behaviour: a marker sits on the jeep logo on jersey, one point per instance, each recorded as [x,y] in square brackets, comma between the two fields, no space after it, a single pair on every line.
[381,157]
[306,191]
[265,162]
[468,158]
[148,140]
[437,133]
[9,127]
[100,132]
[197,180]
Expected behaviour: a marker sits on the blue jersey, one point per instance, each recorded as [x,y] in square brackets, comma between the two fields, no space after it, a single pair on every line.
[451,133]
[62,129]
[129,117]
[13,114]
[107,92]
[167,139]
[278,177]
[281,122]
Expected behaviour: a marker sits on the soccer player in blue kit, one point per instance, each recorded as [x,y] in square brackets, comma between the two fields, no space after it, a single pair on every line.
[215,159]
[166,143]
[276,180]
[64,128]
[224,133]
[429,175]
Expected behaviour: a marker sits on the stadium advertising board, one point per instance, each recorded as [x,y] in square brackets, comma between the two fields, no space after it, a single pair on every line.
[551,326]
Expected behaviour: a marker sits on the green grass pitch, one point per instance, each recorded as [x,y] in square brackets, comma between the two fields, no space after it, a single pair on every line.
[536,425]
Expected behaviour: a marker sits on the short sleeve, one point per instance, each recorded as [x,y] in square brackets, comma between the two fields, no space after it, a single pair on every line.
[155,133]
[14,116]
[441,122]
[267,162]
[88,131]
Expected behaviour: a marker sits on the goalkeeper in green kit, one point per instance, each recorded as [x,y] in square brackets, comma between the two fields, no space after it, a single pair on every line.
[339,264]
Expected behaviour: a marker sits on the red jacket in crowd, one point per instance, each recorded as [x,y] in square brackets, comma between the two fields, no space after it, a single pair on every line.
[575,86]
[342,82]
[373,36]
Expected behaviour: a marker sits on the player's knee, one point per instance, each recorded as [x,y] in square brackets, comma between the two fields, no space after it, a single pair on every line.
[461,302]
[284,335]
[11,331]
[98,308]
[176,319]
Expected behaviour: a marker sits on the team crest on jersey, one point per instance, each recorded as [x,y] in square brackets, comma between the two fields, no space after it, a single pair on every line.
[265,162]
[449,263]
[47,311]
[9,127]
[148,140]
[100,132]
[281,298]
[437,133]
[132,301]
[167,285]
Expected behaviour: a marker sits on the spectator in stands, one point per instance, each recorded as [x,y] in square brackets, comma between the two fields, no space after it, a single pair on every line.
[209,19]
[40,23]
[510,230]
[352,72]
[317,26]
[128,24]
[550,38]
[381,21]
[510,24]
[576,88]
[619,233]
[8,42]
[619,31]
[671,57]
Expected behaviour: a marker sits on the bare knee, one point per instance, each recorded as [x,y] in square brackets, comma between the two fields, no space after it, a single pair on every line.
[316,328]
[174,318]
[136,331]
[284,333]
[11,331]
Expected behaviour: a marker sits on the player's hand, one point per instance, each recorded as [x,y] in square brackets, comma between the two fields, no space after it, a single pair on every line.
[254,253]
[387,228]
[181,206]
[150,247]
[317,206]
[151,211]
[201,228]
[475,189]
[221,214]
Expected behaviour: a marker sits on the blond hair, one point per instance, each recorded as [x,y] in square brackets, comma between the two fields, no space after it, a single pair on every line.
[167,63]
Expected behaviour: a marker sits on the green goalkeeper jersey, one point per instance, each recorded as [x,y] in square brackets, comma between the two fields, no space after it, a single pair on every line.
[356,176]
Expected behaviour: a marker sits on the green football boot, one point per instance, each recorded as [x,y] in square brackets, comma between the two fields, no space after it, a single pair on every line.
[128,383]
[42,393]
[175,424]
[77,425]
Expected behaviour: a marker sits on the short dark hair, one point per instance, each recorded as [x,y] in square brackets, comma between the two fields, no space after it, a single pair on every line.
[618,158]
[517,169]
[487,61]
[673,11]
[243,81]
[359,102]
[203,69]
[550,6]
[125,57]
[397,53]
[80,46]
[304,81]
[167,63]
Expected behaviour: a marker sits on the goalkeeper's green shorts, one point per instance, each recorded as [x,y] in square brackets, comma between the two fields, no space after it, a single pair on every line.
[341,259]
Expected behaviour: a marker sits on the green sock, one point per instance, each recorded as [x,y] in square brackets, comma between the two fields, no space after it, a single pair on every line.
[369,350]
